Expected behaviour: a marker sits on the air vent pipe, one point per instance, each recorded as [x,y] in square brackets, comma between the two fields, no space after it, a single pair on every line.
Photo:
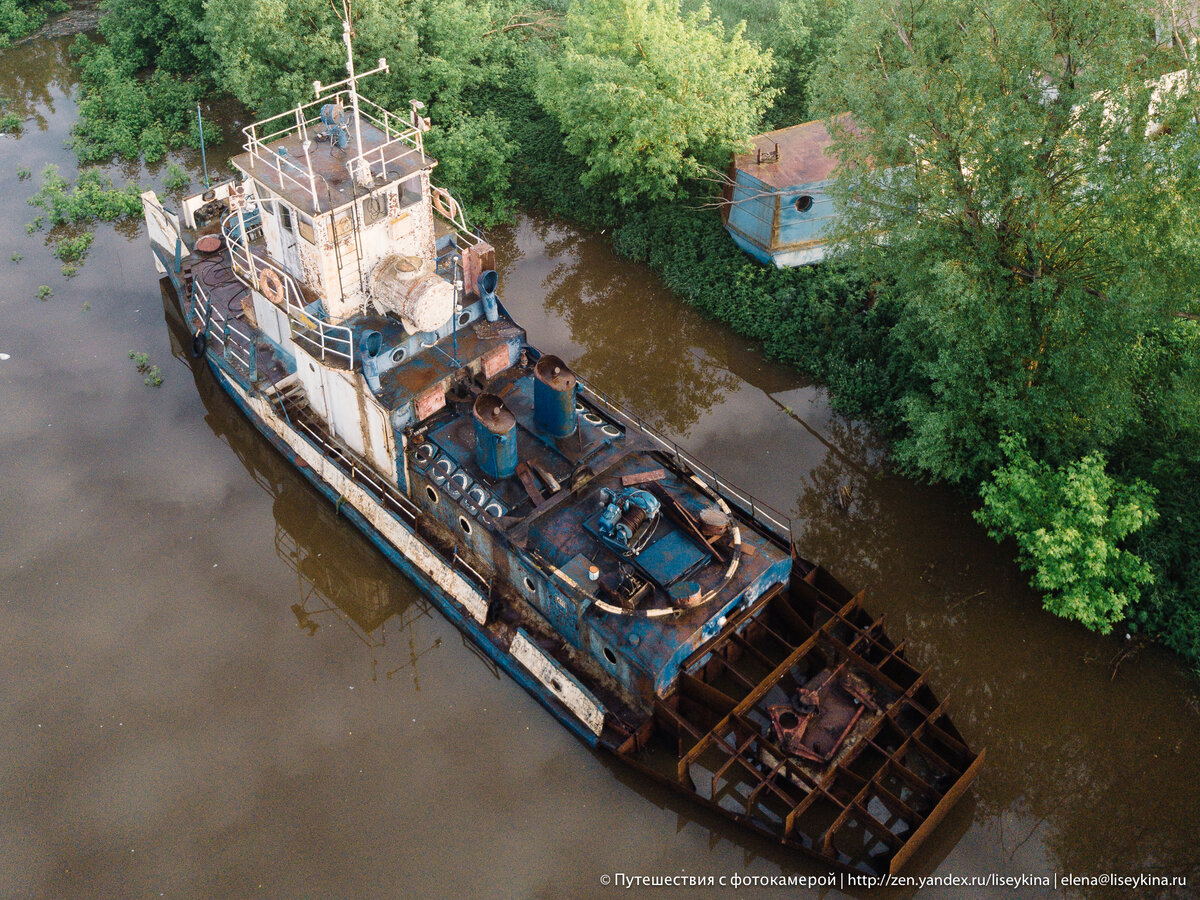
[554,397]
[368,350]
[487,283]
[495,437]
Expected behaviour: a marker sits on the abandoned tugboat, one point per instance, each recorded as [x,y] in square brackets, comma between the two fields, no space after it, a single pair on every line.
[342,301]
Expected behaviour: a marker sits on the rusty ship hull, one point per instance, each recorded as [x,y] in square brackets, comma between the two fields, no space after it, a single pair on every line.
[658,612]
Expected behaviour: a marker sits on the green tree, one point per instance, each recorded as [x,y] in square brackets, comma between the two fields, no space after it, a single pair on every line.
[1034,232]
[19,18]
[1068,523]
[648,96]
[800,34]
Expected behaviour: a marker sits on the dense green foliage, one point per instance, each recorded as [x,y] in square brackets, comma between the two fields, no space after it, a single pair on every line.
[70,209]
[1067,523]
[648,97]
[1027,328]
[1003,150]
[1041,242]
[19,18]
[121,114]
[798,32]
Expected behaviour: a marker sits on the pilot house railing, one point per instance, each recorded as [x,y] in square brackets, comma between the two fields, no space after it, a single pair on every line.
[328,343]
[400,139]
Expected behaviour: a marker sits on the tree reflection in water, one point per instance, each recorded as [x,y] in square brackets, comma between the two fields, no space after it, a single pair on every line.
[341,577]
[32,74]
[634,340]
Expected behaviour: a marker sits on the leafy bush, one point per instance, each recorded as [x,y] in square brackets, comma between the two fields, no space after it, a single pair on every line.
[72,250]
[474,156]
[649,96]
[19,18]
[177,179]
[1068,523]
[123,115]
[93,196]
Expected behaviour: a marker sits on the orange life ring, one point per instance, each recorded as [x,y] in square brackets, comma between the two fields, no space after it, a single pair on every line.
[271,285]
[444,204]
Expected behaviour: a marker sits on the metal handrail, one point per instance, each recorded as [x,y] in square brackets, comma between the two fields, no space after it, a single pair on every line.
[460,224]
[233,339]
[331,340]
[355,471]
[758,511]
[301,118]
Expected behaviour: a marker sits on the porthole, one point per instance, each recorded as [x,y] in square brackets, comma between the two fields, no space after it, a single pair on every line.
[529,585]
[804,203]
[463,318]
[610,430]
[398,355]
[610,656]
[431,494]
[556,685]
[464,524]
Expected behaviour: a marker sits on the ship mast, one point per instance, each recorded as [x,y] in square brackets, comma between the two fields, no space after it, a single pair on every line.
[358,162]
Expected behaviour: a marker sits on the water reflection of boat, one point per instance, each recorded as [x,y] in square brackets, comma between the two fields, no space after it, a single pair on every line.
[339,580]
[657,611]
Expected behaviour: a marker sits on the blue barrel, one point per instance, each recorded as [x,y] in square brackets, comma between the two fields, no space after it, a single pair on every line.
[554,397]
[495,437]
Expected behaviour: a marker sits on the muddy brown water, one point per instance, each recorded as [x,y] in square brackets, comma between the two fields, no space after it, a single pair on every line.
[212,686]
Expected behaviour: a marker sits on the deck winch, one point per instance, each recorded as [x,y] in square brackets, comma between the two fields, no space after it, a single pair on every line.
[554,397]
[628,519]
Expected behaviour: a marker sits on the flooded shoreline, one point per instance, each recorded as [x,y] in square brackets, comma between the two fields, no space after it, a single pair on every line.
[214,684]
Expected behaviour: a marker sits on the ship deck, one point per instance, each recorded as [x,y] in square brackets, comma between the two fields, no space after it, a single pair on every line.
[285,171]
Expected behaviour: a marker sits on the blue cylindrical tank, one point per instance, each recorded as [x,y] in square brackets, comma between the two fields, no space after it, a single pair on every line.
[495,437]
[554,396]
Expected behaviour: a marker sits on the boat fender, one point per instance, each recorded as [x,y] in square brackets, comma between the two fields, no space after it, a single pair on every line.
[272,285]
[443,203]
[199,344]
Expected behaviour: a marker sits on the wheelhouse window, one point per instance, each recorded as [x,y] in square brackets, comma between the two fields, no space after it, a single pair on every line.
[285,217]
[410,191]
[374,208]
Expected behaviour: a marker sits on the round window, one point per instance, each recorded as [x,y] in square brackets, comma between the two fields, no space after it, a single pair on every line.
[464,524]
[464,318]
[432,494]
[398,355]
[529,585]
[804,203]
[610,656]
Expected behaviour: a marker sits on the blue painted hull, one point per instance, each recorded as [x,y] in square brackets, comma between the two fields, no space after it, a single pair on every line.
[226,377]
[448,609]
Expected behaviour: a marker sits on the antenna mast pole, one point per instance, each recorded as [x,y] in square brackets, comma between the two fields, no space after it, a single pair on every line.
[353,91]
